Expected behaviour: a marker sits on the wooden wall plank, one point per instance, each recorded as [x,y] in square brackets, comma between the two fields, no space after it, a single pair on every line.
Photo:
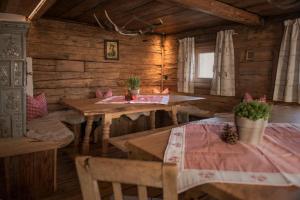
[68,61]
[255,75]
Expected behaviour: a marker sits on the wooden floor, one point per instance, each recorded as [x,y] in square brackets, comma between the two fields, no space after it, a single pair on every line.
[68,187]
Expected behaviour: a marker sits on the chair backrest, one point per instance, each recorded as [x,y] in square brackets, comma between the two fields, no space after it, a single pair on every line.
[143,174]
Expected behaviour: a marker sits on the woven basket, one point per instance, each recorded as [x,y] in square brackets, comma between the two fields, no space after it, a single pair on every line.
[250,131]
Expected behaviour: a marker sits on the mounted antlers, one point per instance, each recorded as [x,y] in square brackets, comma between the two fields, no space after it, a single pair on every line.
[149,29]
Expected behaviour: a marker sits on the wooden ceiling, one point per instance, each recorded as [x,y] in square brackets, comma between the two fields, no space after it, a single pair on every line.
[176,17]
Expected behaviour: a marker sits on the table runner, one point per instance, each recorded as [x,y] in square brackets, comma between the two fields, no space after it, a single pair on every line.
[141,99]
[202,157]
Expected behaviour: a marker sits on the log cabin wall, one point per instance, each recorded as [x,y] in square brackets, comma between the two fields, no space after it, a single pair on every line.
[255,75]
[170,44]
[68,60]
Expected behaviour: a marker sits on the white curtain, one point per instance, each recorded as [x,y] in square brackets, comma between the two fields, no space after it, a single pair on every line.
[223,82]
[186,65]
[287,84]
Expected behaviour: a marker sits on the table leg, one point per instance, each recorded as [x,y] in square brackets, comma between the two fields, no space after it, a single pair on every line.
[152,119]
[76,130]
[174,115]
[106,122]
[88,130]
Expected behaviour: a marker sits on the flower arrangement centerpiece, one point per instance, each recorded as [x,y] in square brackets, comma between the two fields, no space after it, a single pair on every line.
[251,118]
[133,85]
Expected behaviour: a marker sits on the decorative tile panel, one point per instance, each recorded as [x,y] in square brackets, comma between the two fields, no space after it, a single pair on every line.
[17,122]
[12,79]
[11,46]
[18,73]
[5,127]
[12,101]
[5,73]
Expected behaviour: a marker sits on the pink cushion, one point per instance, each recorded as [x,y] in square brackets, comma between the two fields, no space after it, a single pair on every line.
[263,99]
[36,106]
[165,91]
[99,94]
[248,98]
[103,94]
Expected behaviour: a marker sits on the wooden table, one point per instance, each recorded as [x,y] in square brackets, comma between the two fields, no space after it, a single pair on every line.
[152,147]
[27,168]
[90,110]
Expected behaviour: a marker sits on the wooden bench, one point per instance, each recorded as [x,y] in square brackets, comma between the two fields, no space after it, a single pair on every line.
[120,142]
[27,168]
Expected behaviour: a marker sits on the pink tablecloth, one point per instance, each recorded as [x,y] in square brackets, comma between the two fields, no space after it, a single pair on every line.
[141,99]
[202,157]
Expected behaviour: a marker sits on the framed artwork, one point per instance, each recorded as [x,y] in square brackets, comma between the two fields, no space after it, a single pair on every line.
[250,55]
[111,49]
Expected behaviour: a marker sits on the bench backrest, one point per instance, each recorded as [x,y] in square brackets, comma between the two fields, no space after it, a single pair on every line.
[117,171]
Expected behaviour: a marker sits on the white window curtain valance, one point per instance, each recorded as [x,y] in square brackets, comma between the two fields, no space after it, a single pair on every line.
[287,84]
[223,82]
[186,65]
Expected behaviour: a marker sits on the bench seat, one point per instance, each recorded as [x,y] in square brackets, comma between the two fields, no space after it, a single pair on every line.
[50,130]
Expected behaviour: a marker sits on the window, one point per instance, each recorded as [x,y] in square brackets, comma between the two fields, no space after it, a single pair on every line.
[205,65]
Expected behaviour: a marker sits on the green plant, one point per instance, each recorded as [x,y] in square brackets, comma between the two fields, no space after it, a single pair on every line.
[133,83]
[253,110]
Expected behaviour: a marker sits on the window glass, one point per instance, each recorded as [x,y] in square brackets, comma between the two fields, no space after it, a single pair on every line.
[205,65]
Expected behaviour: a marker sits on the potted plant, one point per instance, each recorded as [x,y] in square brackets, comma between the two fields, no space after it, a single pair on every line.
[133,84]
[251,119]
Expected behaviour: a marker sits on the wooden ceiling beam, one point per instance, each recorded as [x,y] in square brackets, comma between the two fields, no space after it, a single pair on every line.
[81,8]
[219,9]
[41,9]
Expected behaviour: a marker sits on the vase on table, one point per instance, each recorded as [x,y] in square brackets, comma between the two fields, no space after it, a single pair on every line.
[134,93]
[251,131]
[251,119]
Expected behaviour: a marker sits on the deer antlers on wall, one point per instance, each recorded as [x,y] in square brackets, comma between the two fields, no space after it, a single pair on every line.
[122,30]
[285,4]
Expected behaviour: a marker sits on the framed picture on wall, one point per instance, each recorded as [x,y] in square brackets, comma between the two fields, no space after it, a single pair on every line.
[111,49]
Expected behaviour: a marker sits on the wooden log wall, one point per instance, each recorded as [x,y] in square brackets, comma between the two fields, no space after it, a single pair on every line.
[68,60]
[170,62]
[255,75]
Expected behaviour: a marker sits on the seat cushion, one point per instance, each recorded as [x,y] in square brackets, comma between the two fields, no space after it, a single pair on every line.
[102,94]
[50,130]
[69,116]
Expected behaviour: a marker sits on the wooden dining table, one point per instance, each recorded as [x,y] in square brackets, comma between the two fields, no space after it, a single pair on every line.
[109,111]
[152,146]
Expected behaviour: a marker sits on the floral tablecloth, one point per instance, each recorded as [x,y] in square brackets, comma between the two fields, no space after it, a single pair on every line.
[202,157]
[141,99]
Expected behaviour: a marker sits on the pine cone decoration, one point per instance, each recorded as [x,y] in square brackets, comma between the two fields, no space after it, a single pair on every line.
[230,135]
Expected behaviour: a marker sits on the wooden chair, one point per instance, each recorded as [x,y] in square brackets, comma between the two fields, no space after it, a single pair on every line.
[143,174]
